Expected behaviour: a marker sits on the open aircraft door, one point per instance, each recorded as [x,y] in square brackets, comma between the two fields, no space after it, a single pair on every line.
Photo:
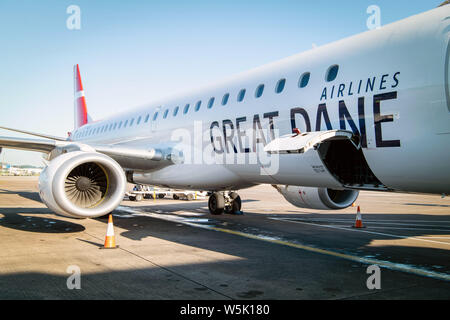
[332,159]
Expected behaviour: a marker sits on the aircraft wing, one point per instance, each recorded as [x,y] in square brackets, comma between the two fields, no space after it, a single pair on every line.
[136,158]
[38,145]
[41,135]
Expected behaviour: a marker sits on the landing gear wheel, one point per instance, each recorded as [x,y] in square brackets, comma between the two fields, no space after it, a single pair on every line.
[175,197]
[216,203]
[161,196]
[235,204]
[139,197]
[190,197]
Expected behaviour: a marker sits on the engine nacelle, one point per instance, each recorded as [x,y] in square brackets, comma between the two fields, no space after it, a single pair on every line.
[82,184]
[318,198]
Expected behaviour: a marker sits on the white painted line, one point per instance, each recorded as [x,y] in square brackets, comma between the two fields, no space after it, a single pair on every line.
[371,221]
[432,237]
[374,227]
[359,230]
[398,228]
[166,217]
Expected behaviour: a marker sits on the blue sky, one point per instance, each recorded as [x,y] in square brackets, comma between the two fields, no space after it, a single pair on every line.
[131,52]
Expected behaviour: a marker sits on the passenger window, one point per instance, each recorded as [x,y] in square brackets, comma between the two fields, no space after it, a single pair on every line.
[332,73]
[259,91]
[146,118]
[115,126]
[304,80]
[186,108]
[211,103]
[280,86]
[197,106]
[225,99]
[139,120]
[155,116]
[166,113]
[131,122]
[125,124]
[175,112]
[120,124]
[241,95]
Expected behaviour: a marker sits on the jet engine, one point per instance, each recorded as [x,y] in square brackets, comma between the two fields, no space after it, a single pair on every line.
[82,184]
[318,198]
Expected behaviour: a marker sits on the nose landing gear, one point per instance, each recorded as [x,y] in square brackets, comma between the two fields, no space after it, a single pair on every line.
[228,202]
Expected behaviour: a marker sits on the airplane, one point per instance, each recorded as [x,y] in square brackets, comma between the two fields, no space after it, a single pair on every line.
[369,112]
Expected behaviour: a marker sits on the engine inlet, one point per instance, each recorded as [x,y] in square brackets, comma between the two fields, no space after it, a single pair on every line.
[86,185]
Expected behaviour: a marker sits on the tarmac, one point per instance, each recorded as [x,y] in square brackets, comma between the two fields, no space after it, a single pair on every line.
[174,249]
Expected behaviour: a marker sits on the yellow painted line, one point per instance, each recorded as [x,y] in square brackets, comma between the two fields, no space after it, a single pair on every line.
[370,261]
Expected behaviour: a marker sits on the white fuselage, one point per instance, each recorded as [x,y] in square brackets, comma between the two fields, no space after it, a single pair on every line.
[392,88]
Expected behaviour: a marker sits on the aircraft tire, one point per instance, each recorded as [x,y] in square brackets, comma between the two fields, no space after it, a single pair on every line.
[236,204]
[216,203]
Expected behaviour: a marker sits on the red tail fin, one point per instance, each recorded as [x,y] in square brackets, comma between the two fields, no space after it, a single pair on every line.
[80,112]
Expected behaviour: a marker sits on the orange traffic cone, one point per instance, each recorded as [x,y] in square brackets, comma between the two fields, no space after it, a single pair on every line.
[110,240]
[358,223]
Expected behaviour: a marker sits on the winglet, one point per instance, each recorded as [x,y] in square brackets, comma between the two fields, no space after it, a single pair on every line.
[80,112]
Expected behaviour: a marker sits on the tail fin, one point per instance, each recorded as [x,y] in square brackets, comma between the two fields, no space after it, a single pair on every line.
[80,113]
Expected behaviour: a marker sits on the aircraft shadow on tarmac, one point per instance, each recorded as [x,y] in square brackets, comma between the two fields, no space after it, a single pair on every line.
[338,240]
[18,219]
[263,270]
[24,194]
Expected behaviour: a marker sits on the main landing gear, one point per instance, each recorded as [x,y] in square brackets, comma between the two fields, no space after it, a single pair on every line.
[224,202]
